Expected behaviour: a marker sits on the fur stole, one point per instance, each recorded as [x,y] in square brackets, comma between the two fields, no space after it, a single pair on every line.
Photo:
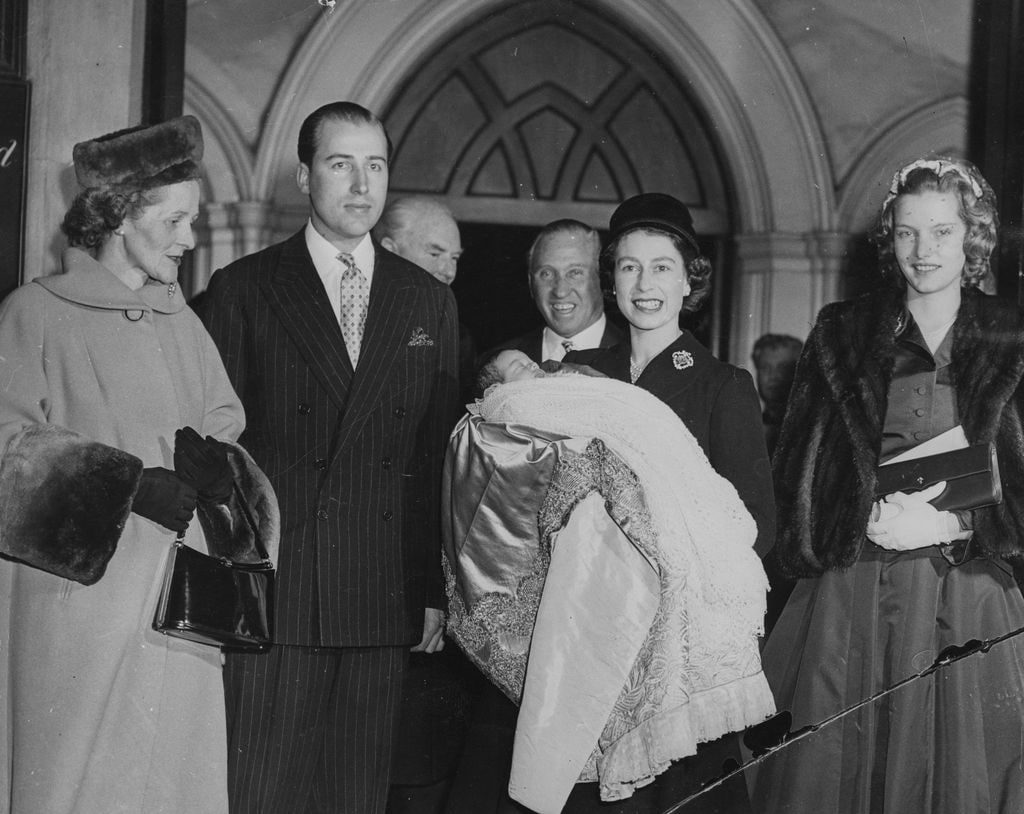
[64,501]
[829,446]
[231,528]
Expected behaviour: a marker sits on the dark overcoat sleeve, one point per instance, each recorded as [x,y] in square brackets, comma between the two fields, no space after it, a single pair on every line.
[736,449]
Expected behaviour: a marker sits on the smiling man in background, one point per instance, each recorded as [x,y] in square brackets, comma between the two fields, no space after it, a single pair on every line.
[566,288]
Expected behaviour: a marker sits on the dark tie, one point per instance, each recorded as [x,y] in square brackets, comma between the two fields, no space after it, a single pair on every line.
[567,344]
[355,300]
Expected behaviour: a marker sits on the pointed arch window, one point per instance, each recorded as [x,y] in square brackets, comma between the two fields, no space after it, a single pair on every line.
[546,105]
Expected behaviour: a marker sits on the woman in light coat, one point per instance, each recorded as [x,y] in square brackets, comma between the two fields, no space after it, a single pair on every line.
[102,365]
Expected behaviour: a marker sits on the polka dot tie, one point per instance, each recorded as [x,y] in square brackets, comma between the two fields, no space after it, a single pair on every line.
[567,344]
[355,299]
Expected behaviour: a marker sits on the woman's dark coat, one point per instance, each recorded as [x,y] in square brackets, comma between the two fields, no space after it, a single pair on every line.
[718,404]
[825,464]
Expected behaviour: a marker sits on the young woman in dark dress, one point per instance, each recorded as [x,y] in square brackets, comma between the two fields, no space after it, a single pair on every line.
[886,586]
[657,273]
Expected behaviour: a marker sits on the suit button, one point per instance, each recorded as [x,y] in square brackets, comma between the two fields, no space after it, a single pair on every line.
[920,435]
[919,412]
[921,390]
[304,409]
[399,412]
[385,462]
[320,463]
[387,515]
[321,514]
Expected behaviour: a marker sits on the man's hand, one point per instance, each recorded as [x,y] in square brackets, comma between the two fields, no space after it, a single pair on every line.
[433,632]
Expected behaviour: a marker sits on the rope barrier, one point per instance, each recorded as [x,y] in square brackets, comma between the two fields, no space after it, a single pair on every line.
[948,656]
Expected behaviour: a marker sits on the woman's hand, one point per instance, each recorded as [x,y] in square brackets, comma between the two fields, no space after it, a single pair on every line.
[904,522]
[164,498]
[203,463]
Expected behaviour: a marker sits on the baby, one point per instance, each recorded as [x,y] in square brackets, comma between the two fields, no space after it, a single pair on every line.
[515,366]
[519,464]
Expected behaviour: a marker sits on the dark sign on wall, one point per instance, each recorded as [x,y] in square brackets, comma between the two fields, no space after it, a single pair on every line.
[14,95]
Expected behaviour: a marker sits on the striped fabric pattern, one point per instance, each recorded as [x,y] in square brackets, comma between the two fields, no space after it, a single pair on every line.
[311,729]
[354,456]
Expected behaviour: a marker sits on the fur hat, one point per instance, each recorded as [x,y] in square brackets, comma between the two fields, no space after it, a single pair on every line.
[142,157]
[654,210]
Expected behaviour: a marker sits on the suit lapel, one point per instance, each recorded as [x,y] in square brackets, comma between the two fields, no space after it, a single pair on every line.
[386,336]
[297,296]
[611,337]
[617,365]
[535,348]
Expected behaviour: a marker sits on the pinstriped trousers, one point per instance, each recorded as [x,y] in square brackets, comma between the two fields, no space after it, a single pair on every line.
[311,730]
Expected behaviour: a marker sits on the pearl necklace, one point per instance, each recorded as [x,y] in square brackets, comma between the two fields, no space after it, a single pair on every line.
[635,369]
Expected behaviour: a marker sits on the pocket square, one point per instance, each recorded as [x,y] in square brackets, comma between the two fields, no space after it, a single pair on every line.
[419,339]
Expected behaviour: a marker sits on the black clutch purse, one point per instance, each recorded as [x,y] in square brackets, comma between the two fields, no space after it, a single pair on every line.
[216,601]
[971,475]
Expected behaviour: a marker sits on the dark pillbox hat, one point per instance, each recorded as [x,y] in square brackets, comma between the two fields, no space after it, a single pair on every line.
[142,157]
[654,210]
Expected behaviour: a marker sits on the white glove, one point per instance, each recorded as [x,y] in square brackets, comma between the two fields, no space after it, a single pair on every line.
[904,522]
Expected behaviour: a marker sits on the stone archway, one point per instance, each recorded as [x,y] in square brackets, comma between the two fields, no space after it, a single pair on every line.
[546,110]
[738,73]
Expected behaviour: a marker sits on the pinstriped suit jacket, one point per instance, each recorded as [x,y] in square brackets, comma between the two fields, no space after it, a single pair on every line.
[355,458]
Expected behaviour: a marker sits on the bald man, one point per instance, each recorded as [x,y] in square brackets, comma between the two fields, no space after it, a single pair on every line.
[423,230]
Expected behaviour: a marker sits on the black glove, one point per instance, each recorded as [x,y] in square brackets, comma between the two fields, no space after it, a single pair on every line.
[203,463]
[165,498]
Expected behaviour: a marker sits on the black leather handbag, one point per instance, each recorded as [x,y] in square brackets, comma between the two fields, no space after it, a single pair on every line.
[971,475]
[215,601]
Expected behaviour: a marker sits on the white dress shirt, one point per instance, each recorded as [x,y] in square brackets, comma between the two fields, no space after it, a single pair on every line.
[586,339]
[329,267]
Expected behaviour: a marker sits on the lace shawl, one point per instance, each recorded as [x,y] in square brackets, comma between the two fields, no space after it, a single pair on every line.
[698,674]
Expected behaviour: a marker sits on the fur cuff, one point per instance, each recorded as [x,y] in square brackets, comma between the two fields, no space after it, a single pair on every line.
[64,501]
[231,528]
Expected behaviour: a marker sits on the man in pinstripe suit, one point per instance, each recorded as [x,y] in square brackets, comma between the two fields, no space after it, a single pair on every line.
[354,451]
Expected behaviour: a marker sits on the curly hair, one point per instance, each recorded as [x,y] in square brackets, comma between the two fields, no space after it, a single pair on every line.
[97,212]
[977,208]
[698,267]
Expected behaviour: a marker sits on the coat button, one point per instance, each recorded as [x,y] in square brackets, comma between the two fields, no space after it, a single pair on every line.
[919,412]
[321,514]
[304,409]
[399,412]
[320,463]
[387,515]
[921,390]
[385,462]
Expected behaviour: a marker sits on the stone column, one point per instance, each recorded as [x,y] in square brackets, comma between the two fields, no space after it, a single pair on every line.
[781,282]
[252,219]
[85,65]
[826,251]
[770,289]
